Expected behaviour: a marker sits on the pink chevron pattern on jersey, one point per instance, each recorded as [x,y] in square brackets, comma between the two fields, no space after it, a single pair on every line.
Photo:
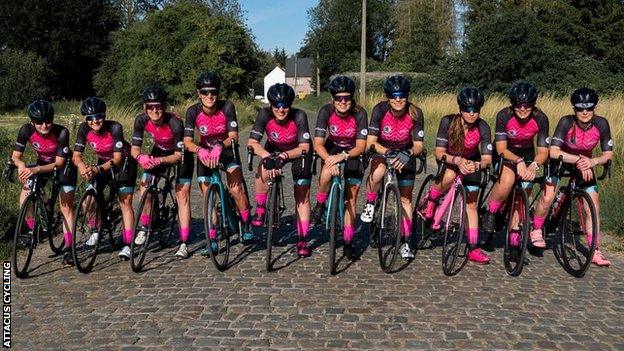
[342,131]
[44,146]
[395,133]
[102,145]
[472,138]
[212,128]
[162,135]
[282,136]
[521,135]
[581,142]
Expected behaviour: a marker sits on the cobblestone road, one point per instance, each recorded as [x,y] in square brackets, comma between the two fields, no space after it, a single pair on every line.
[189,305]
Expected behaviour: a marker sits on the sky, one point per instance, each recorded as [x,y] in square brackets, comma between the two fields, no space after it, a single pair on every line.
[278,23]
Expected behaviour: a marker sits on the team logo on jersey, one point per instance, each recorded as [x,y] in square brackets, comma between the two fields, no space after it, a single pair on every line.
[93,144]
[512,133]
[203,130]
[233,124]
[333,128]
[119,144]
[364,132]
[421,133]
[274,135]
[180,144]
[387,129]
[610,142]
[548,140]
[306,135]
[150,134]
[489,147]
[36,145]
[66,150]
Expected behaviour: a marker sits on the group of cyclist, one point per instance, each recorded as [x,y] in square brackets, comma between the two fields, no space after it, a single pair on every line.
[342,134]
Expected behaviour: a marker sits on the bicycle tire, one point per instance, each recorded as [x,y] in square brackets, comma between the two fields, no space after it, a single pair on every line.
[274,221]
[455,234]
[513,257]
[213,210]
[113,218]
[422,227]
[55,229]
[138,252]
[85,255]
[334,227]
[24,237]
[167,219]
[389,239]
[571,246]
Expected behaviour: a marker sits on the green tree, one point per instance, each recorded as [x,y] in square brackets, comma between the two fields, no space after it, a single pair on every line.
[279,57]
[24,76]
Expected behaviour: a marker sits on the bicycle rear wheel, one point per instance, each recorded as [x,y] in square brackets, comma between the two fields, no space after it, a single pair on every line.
[216,223]
[421,230]
[139,251]
[454,251]
[87,231]
[55,230]
[516,244]
[335,228]
[389,239]
[24,236]
[273,225]
[578,233]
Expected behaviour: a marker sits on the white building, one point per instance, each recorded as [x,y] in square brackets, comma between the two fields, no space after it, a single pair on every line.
[277,75]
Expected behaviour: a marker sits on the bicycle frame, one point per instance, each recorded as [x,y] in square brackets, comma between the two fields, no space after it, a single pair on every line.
[227,210]
[336,189]
[449,198]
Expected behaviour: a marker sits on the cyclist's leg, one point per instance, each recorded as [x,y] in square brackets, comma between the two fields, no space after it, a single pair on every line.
[183,196]
[472,184]
[373,183]
[127,181]
[406,185]
[354,173]
[261,187]
[302,177]
[499,194]
[437,189]
[236,183]
[30,220]
[591,188]
[67,181]
[541,210]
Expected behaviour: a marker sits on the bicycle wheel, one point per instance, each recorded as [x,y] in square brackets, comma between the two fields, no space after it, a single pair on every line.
[167,219]
[138,251]
[87,231]
[421,229]
[273,224]
[578,233]
[55,229]
[516,244]
[24,236]
[215,222]
[112,218]
[335,227]
[389,238]
[454,251]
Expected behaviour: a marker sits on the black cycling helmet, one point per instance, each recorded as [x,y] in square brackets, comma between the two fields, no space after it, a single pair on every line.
[523,93]
[92,106]
[41,111]
[341,84]
[208,80]
[281,93]
[154,93]
[470,98]
[396,85]
[584,98]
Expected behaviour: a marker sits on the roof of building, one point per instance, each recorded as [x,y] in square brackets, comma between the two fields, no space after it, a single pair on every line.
[304,67]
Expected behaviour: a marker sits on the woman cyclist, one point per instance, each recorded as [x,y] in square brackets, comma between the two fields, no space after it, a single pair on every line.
[288,136]
[166,130]
[106,139]
[395,129]
[340,135]
[217,125]
[51,145]
[516,128]
[464,140]
[574,139]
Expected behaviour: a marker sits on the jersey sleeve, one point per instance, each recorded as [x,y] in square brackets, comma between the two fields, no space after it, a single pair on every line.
[418,129]
[116,131]
[257,131]
[606,143]
[322,120]
[362,124]
[191,117]
[486,138]
[500,130]
[442,136]
[562,128]
[22,138]
[177,129]
[230,116]
[62,148]
[543,129]
[81,137]
[378,112]
[139,128]
[303,129]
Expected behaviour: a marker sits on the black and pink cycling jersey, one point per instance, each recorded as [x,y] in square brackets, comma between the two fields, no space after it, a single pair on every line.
[573,139]
[285,135]
[520,134]
[47,147]
[167,136]
[477,140]
[396,132]
[104,143]
[212,128]
[343,131]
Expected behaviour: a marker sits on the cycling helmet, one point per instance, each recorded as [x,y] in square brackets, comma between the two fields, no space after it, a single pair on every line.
[396,85]
[281,93]
[41,111]
[584,98]
[92,106]
[341,84]
[208,80]
[154,93]
[523,93]
[470,97]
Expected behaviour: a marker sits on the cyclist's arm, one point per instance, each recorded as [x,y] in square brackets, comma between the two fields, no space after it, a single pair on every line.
[303,136]
[606,143]
[20,145]
[177,129]
[542,138]
[557,141]
[442,141]
[232,123]
[320,131]
[257,148]
[374,127]
[16,157]
[116,160]
[319,147]
[137,135]
[372,140]
[542,155]
[227,143]
[257,132]
[485,144]
[418,147]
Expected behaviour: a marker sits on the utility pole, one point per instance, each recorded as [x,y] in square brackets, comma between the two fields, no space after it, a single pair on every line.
[363,56]
[318,75]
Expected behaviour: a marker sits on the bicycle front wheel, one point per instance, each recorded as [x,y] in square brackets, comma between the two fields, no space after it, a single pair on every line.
[143,231]
[422,226]
[516,240]
[273,225]
[55,230]
[335,228]
[389,238]
[167,220]
[578,233]
[454,251]
[24,236]
[87,231]
[216,228]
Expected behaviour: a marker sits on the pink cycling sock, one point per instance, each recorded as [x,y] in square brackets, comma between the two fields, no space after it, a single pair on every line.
[93,222]
[184,234]
[145,219]
[245,215]
[473,236]
[347,233]
[261,199]
[494,206]
[406,227]
[302,228]
[127,235]
[321,198]
[538,222]
[589,240]
[212,233]
[434,193]
[67,239]
[514,238]
[371,196]
[30,222]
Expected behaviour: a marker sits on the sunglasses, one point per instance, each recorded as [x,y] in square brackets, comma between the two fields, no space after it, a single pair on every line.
[345,98]
[279,105]
[42,122]
[581,109]
[154,107]
[208,92]
[524,106]
[471,109]
[397,96]
[95,117]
